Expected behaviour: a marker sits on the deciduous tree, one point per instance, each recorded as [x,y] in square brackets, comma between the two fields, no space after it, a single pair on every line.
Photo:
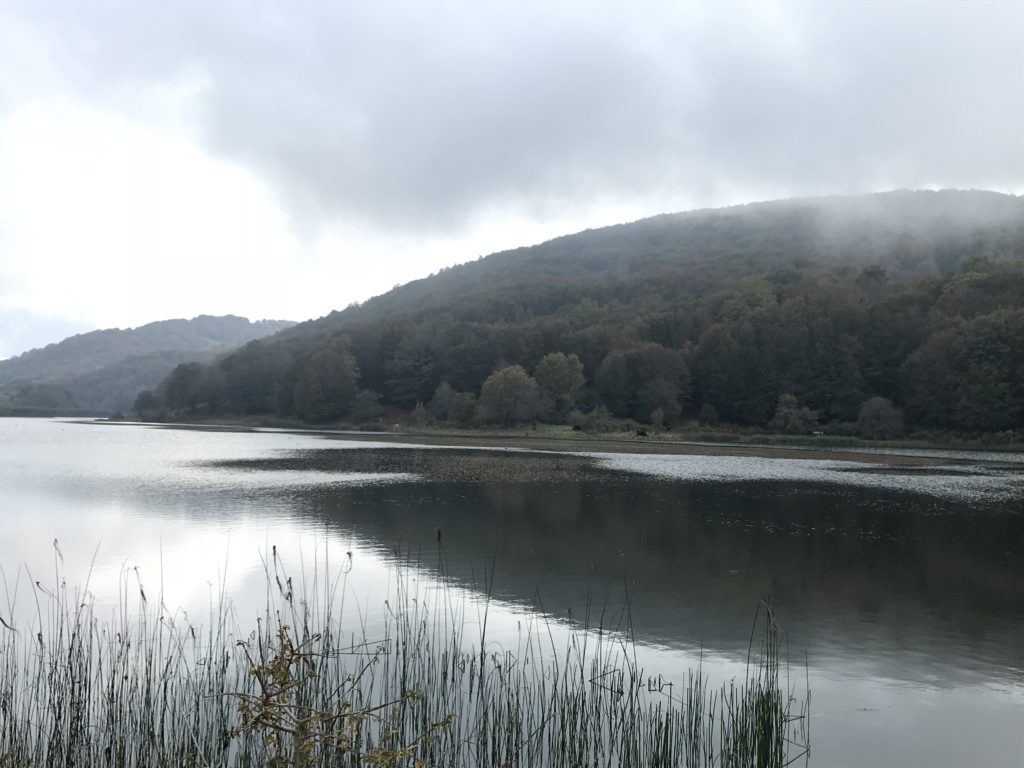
[510,396]
[325,382]
[879,419]
[791,418]
[560,379]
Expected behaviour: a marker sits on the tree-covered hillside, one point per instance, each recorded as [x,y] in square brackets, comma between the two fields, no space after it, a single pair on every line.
[105,370]
[792,313]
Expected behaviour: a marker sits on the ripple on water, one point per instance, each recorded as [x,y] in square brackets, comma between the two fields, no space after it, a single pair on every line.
[964,482]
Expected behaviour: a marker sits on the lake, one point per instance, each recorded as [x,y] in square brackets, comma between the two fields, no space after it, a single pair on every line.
[900,588]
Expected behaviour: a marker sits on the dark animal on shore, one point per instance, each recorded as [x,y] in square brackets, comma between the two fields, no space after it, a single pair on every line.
[641,433]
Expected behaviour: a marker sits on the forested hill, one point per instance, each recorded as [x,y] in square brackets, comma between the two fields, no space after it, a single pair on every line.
[916,297]
[104,370]
[912,233]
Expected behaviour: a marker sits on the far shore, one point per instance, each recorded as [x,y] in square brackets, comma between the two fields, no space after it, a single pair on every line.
[549,440]
[626,444]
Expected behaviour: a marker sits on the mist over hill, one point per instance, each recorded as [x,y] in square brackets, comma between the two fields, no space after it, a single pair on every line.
[104,370]
[796,311]
[910,232]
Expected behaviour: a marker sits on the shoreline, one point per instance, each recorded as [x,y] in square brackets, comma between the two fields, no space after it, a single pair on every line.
[881,455]
[637,446]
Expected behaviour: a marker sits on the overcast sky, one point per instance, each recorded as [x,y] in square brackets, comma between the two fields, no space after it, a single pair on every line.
[271,159]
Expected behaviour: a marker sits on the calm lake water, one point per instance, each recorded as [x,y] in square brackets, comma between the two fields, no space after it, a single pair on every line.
[901,590]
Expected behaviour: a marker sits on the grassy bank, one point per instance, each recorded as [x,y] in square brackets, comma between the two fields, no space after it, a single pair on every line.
[303,687]
[737,436]
[725,440]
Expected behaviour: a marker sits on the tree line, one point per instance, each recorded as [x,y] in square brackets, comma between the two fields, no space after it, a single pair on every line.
[794,345]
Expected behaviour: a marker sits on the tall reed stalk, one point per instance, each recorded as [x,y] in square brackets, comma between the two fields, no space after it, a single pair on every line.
[143,687]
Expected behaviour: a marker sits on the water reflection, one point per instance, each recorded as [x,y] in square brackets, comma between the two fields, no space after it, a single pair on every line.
[909,604]
[912,587]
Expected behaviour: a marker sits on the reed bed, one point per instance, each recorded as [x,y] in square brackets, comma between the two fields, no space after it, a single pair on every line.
[301,687]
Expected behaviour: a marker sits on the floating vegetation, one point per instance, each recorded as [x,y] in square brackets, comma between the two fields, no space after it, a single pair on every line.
[303,688]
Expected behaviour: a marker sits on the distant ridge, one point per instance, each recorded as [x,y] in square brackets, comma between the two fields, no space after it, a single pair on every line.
[103,370]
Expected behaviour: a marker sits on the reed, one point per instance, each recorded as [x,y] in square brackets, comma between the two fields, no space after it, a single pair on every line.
[143,687]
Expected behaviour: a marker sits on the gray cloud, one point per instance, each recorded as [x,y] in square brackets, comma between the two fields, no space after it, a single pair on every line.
[414,116]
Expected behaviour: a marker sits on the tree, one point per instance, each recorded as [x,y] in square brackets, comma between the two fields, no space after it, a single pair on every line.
[450,407]
[366,405]
[970,376]
[510,396]
[40,395]
[256,378]
[659,395]
[737,373]
[560,379]
[929,381]
[635,381]
[181,388]
[463,409]
[325,382]
[412,370]
[791,418]
[440,404]
[707,415]
[658,418]
[147,404]
[419,414]
[879,419]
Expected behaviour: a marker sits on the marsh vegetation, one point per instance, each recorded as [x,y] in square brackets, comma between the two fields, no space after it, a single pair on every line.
[303,686]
